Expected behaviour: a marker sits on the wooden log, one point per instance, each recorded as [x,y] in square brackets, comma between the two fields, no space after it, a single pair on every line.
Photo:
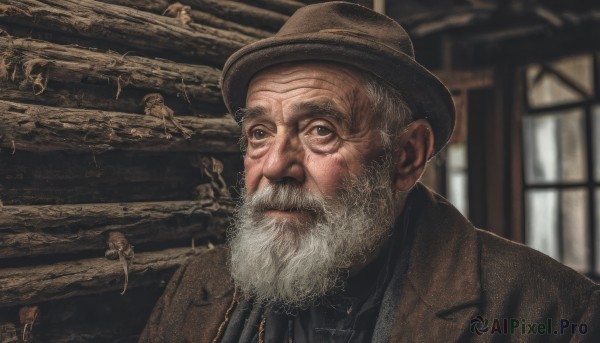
[29,60]
[199,17]
[137,29]
[42,128]
[287,7]
[203,18]
[30,285]
[114,176]
[65,229]
[39,192]
[14,29]
[96,318]
[241,13]
[99,97]
[65,95]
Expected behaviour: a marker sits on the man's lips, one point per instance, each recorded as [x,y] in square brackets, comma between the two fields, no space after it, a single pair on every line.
[288,212]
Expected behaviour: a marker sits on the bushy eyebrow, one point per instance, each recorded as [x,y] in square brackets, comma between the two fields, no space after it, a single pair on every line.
[322,109]
[251,112]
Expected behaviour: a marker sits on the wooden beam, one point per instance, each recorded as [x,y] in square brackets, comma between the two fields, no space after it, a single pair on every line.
[66,229]
[466,79]
[479,109]
[42,128]
[30,285]
[516,107]
[568,81]
[497,157]
[499,36]
[495,190]
[136,29]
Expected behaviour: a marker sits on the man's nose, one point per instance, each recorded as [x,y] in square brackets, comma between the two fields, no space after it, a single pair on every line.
[285,160]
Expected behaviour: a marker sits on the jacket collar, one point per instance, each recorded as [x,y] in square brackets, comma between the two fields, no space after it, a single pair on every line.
[444,259]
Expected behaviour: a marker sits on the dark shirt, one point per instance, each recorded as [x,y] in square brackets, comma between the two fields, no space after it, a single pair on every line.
[348,316]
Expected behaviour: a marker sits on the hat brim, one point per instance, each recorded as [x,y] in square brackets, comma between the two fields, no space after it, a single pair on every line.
[428,97]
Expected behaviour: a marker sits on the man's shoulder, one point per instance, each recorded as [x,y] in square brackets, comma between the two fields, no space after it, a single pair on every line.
[510,267]
[212,261]
[194,302]
[207,272]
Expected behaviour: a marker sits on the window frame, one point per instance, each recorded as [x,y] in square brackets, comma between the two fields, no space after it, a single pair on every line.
[590,185]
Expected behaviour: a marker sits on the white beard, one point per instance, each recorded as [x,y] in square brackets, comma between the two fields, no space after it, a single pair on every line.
[294,263]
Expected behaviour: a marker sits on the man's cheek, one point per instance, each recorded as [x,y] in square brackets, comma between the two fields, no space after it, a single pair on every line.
[252,175]
[328,177]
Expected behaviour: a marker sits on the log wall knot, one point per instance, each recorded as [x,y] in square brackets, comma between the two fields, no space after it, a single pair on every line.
[180,12]
[119,248]
[27,317]
[216,188]
[154,105]
[213,168]
[40,81]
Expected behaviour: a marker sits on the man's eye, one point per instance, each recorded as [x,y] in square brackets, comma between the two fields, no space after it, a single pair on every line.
[322,131]
[258,134]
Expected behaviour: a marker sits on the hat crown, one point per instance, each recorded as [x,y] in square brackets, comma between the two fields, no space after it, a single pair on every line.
[351,20]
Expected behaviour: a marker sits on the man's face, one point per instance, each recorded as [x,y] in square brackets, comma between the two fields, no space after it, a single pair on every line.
[309,124]
[318,198]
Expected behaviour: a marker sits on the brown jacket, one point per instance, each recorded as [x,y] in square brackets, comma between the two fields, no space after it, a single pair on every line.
[455,273]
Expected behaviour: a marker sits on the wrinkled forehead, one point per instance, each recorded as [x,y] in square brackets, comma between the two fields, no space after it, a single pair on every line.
[319,85]
[317,70]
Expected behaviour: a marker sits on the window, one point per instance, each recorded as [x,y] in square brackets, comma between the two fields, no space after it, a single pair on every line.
[561,176]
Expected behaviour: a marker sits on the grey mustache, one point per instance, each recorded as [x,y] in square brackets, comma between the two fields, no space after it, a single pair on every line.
[286,198]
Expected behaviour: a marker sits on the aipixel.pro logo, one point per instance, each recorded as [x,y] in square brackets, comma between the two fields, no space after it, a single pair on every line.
[512,326]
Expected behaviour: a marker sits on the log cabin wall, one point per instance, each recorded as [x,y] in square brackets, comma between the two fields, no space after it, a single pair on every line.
[117,159]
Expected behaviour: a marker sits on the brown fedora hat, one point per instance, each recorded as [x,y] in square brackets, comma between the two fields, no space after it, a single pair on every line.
[350,34]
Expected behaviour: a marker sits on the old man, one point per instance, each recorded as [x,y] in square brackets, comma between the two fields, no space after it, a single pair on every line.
[335,240]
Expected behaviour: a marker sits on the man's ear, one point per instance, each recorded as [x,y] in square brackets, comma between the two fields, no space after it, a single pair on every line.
[415,147]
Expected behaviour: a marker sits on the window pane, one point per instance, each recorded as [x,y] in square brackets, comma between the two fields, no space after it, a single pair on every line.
[596,148]
[541,223]
[572,146]
[575,229]
[562,82]
[456,164]
[554,147]
[541,150]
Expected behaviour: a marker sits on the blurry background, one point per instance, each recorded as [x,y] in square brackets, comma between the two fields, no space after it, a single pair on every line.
[94,95]
[525,158]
